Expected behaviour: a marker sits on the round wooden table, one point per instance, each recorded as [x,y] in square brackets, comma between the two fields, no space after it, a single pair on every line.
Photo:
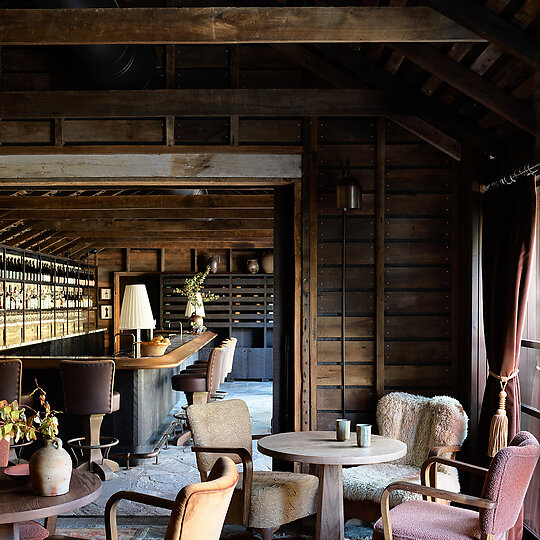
[322,448]
[18,502]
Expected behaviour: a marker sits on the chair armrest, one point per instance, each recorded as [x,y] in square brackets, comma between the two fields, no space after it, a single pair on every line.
[439,450]
[110,508]
[247,477]
[435,493]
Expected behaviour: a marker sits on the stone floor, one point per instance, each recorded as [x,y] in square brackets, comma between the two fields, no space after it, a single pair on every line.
[175,468]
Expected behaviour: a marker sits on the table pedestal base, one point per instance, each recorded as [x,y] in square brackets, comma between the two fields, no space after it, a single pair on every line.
[330,519]
[9,531]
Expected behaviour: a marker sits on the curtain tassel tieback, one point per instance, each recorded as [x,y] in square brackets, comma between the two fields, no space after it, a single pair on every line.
[498,431]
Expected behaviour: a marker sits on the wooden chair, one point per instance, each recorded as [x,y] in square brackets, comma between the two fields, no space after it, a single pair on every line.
[505,485]
[264,500]
[429,427]
[197,512]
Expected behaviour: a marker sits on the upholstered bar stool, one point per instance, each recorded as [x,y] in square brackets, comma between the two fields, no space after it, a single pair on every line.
[202,365]
[199,384]
[89,393]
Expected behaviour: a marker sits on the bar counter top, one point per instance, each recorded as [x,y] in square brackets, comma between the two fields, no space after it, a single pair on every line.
[181,348]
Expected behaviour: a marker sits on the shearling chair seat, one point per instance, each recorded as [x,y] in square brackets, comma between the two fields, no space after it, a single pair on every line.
[276,497]
[423,424]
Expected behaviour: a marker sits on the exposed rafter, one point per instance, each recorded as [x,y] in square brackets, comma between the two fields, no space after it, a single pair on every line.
[228,25]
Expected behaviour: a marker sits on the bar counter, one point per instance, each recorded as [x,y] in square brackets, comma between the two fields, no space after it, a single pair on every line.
[146,394]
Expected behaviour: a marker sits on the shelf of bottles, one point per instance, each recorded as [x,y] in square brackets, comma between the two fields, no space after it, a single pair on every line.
[44,297]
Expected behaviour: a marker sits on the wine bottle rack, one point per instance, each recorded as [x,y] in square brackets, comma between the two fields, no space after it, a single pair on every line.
[44,297]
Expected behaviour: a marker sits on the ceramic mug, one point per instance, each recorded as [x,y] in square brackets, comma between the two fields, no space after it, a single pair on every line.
[343,429]
[363,435]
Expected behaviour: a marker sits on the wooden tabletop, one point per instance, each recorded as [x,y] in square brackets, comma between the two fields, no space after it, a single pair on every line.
[18,502]
[321,447]
[174,358]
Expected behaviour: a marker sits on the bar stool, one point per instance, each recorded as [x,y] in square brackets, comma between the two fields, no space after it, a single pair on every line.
[88,392]
[202,365]
[200,384]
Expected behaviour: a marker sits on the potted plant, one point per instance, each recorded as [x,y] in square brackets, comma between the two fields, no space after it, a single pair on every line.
[195,309]
[50,466]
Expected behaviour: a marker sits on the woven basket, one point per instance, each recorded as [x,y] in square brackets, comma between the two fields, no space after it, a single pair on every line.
[149,348]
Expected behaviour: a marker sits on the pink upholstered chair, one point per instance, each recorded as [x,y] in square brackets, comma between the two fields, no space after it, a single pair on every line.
[504,489]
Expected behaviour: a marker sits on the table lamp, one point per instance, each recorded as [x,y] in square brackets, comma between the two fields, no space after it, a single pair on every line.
[136,313]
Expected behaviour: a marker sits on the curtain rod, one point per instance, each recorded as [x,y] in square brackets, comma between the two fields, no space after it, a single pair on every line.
[526,170]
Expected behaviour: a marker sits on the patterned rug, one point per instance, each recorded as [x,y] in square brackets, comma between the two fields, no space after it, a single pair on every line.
[157,532]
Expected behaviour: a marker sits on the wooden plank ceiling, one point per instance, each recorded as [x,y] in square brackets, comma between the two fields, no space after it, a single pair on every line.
[473,80]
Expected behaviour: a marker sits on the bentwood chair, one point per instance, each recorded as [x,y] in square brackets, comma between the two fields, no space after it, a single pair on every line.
[197,513]
[505,485]
[429,427]
[89,393]
[263,500]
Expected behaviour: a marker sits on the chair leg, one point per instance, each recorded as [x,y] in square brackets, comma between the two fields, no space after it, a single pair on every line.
[104,468]
[266,534]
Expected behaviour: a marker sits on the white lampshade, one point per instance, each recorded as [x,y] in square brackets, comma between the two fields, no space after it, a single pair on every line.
[198,310]
[136,312]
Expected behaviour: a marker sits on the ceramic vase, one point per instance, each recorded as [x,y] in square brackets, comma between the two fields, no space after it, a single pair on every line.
[196,322]
[4,452]
[213,262]
[267,263]
[253,266]
[50,469]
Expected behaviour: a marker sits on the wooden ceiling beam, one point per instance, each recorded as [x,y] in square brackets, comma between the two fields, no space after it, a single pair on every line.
[24,237]
[35,243]
[149,214]
[14,231]
[196,102]
[492,27]
[161,183]
[65,245]
[123,166]
[429,108]
[325,70]
[150,226]
[219,25]
[138,202]
[471,84]
[207,243]
[161,237]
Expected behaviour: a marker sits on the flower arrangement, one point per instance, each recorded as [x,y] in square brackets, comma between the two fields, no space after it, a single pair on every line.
[16,424]
[192,289]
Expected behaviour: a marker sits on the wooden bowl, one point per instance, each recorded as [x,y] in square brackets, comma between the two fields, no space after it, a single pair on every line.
[149,348]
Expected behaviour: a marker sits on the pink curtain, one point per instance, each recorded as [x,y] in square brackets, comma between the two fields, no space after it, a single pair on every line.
[507,248]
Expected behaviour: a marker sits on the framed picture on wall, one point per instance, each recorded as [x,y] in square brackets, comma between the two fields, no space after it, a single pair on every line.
[105,294]
[106,312]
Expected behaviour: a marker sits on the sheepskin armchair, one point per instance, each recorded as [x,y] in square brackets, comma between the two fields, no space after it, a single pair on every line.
[262,500]
[434,426]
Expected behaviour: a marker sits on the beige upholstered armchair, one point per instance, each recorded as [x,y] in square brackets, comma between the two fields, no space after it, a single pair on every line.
[262,500]
[429,427]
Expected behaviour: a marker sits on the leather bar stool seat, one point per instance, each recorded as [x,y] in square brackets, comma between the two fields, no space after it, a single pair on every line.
[200,384]
[89,393]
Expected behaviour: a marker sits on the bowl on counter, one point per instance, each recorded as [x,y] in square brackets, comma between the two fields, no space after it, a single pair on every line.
[151,348]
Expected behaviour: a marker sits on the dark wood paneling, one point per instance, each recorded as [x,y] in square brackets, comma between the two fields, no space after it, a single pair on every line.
[357,302]
[354,327]
[357,253]
[356,351]
[417,326]
[327,205]
[201,130]
[417,228]
[417,278]
[356,399]
[26,132]
[413,253]
[329,178]
[417,377]
[355,374]
[357,277]
[357,228]
[359,155]
[420,204]
[113,131]
[412,155]
[346,130]
[424,180]
[270,131]
[417,302]
[417,352]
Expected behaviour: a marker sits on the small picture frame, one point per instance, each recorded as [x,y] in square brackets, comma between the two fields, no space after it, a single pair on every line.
[105,294]
[106,312]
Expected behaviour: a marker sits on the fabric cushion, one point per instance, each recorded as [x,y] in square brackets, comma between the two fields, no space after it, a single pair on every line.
[30,530]
[115,401]
[187,382]
[277,498]
[367,482]
[422,520]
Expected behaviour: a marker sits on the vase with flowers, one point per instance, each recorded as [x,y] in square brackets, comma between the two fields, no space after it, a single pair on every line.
[196,298]
[50,466]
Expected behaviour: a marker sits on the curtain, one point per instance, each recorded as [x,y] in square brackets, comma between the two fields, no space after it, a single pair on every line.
[508,233]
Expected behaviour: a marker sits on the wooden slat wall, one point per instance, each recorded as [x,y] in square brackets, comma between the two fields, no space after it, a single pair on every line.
[417,270]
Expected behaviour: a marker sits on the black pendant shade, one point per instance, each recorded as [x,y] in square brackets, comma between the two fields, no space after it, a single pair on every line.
[349,191]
